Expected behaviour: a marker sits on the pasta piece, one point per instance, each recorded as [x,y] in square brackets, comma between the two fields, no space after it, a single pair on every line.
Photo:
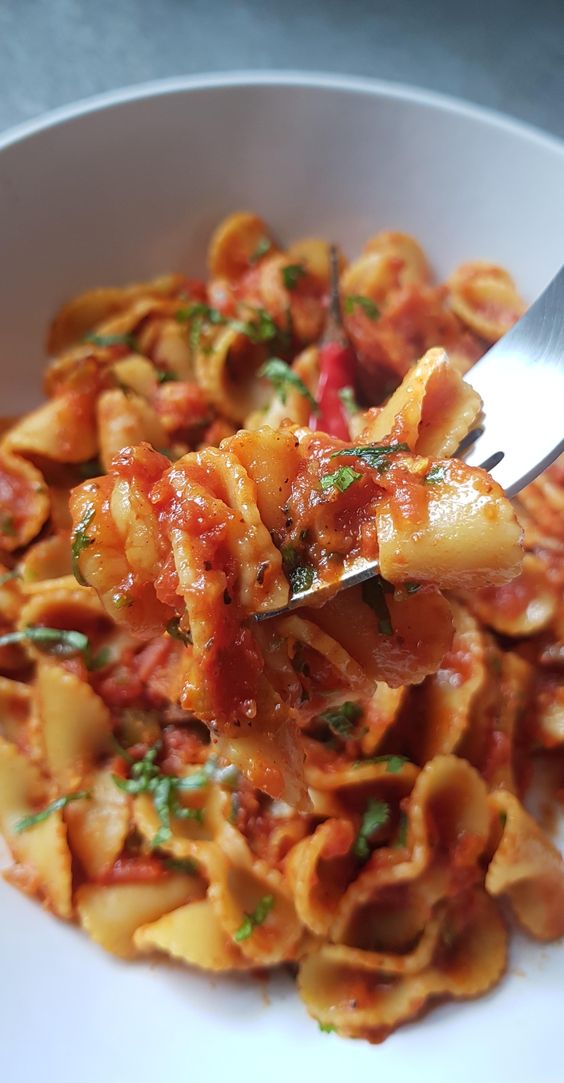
[43,847]
[24,501]
[485,298]
[528,869]
[76,725]
[522,607]
[193,934]
[318,869]
[359,1003]
[469,532]
[227,371]
[49,559]
[97,829]
[15,704]
[63,430]
[431,411]
[404,249]
[112,914]
[235,244]
[124,420]
[89,309]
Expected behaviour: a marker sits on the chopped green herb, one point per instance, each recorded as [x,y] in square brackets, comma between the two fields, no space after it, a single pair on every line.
[176,632]
[503,818]
[376,815]
[403,826]
[81,541]
[340,479]
[347,397]
[290,558]
[282,377]
[52,640]
[412,588]
[234,811]
[301,578]
[90,469]
[38,817]
[257,917]
[97,661]
[165,376]
[112,340]
[356,300]
[376,456]
[341,720]
[7,526]
[122,600]
[262,249]
[8,576]
[260,328]
[292,273]
[394,763]
[436,474]
[147,777]
[181,864]
[326,1028]
[374,594]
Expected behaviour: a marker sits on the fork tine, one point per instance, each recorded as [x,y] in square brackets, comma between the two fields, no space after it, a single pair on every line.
[521,382]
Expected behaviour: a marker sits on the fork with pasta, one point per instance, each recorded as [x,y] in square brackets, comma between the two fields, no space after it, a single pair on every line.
[339,788]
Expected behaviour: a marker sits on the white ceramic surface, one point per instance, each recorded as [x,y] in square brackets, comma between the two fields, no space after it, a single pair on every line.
[130,185]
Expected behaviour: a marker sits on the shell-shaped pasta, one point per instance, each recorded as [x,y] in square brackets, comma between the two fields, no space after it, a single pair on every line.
[63,430]
[227,371]
[375,275]
[295,406]
[528,869]
[447,703]
[15,705]
[301,305]
[549,713]
[24,501]
[235,243]
[43,848]
[125,420]
[76,726]
[360,1002]
[514,685]
[195,935]
[522,607]
[48,559]
[413,268]
[136,373]
[485,298]
[111,914]
[318,869]
[431,411]
[97,828]
[83,313]
[470,536]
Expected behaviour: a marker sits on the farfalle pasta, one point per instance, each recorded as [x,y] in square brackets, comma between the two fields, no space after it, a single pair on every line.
[338,788]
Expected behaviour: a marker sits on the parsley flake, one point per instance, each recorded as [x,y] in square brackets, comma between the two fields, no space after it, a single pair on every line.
[403,826]
[366,304]
[341,720]
[52,640]
[291,274]
[394,763]
[257,917]
[301,578]
[8,576]
[112,340]
[262,249]
[340,479]
[373,594]
[436,474]
[282,377]
[176,632]
[147,777]
[38,817]
[165,376]
[347,397]
[8,526]
[376,456]
[80,542]
[376,815]
[326,1028]
[181,864]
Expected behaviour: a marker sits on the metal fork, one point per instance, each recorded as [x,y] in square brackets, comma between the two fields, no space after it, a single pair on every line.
[521,383]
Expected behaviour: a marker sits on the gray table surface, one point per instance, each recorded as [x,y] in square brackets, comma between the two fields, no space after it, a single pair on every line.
[506,54]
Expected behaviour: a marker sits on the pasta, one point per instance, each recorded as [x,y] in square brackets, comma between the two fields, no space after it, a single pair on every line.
[340,789]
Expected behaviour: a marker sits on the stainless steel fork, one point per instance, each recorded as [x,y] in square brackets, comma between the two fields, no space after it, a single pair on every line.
[521,383]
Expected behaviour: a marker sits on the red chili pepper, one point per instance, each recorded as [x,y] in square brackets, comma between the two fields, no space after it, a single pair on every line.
[337,367]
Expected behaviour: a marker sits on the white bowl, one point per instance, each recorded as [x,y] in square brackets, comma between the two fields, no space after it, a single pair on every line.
[129,185]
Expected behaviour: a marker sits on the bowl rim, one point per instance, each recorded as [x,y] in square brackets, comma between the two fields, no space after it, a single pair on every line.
[362,85]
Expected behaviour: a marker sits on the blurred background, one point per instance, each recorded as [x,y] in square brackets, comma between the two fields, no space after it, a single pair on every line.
[506,54]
